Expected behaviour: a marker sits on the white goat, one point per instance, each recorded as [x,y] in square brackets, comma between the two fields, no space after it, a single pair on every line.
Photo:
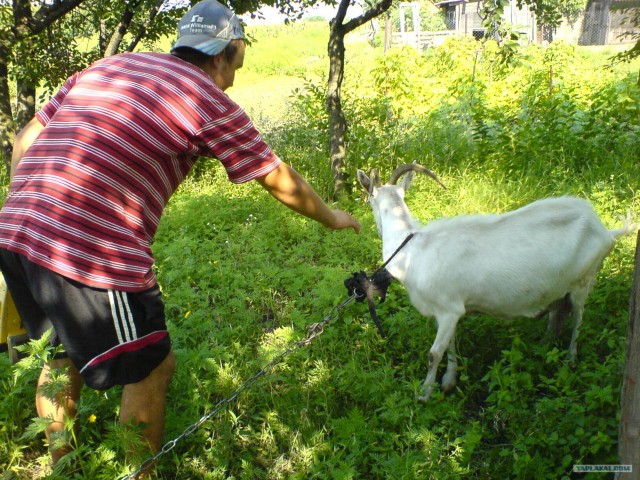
[540,258]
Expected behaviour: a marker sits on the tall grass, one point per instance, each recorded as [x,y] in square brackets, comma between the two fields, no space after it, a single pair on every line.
[243,278]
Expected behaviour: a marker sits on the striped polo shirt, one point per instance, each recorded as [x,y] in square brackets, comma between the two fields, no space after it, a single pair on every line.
[119,137]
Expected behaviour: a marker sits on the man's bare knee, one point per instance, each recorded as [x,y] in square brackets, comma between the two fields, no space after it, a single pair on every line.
[159,378]
[166,369]
[144,401]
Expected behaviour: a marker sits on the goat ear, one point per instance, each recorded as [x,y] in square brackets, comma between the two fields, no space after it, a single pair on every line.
[364,180]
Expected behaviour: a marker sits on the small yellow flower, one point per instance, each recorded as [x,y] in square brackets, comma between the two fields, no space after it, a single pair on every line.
[92,418]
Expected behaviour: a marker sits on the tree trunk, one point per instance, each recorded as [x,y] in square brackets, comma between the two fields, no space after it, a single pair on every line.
[387,33]
[26,99]
[629,438]
[22,20]
[25,88]
[337,121]
[102,38]
[123,27]
[7,127]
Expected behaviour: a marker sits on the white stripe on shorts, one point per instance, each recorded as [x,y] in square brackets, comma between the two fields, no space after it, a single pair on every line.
[122,316]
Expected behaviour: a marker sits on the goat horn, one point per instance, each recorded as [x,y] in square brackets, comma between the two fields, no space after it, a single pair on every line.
[375,178]
[412,167]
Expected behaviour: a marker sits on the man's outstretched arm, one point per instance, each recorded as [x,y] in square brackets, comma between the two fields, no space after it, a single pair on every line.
[287,186]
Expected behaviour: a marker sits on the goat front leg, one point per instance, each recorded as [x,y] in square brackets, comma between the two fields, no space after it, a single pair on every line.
[446,331]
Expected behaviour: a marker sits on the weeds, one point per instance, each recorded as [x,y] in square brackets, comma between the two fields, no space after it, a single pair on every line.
[243,277]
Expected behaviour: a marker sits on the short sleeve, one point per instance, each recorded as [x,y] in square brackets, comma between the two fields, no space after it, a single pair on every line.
[237,144]
[48,111]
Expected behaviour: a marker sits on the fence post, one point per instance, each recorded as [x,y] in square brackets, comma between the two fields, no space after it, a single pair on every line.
[629,435]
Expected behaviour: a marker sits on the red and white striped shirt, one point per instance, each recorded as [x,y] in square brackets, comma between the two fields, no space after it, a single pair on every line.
[119,137]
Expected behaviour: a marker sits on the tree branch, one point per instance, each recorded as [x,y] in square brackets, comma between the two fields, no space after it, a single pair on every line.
[377,10]
[341,13]
[49,13]
[143,30]
[122,29]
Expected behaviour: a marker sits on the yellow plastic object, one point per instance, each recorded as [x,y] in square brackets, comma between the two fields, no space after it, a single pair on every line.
[11,331]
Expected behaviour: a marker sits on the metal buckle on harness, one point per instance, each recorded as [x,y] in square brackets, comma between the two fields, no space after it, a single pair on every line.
[12,332]
[363,286]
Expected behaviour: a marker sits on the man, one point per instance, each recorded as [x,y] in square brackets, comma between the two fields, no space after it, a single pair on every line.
[91,174]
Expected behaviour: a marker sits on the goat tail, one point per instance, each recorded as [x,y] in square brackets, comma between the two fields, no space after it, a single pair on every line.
[627,228]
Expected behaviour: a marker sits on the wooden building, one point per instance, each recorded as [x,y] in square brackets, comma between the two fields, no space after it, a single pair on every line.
[604,22]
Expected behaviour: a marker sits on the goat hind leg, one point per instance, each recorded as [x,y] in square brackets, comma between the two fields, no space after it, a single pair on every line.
[579,298]
[559,311]
[573,346]
[449,379]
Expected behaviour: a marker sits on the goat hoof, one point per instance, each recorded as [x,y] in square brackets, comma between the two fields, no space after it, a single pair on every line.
[449,387]
[449,382]
[426,395]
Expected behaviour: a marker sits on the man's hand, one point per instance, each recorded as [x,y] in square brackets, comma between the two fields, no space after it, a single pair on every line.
[344,220]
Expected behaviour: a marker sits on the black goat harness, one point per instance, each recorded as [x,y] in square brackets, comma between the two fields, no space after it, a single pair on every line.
[363,286]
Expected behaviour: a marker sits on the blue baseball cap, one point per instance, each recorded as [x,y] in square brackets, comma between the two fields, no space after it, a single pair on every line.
[208,27]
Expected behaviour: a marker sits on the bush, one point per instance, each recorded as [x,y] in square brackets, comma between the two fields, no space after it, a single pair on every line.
[243,279]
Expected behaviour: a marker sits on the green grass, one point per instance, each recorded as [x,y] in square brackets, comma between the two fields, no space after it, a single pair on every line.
[243,278]
[281,59]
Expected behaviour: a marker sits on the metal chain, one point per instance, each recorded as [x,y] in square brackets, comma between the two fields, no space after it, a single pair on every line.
[314,331]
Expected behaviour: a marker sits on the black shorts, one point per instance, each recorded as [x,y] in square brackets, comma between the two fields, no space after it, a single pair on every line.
[112,337]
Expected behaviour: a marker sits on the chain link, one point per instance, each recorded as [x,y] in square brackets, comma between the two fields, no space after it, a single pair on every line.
[313,332]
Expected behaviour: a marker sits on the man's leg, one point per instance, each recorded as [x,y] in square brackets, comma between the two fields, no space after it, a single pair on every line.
[145,402]
[58,409]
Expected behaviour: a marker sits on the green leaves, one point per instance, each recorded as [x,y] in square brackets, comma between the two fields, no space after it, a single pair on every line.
[37,426]
[38,353]
[243,278]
